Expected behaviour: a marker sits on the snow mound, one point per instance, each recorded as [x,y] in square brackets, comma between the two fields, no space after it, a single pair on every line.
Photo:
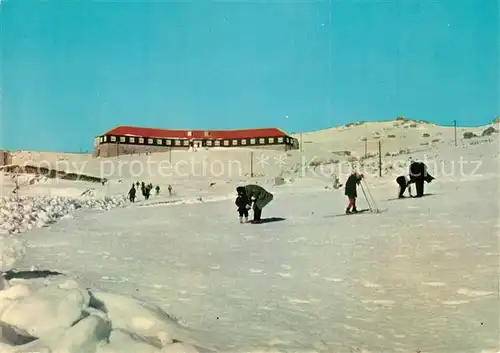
[56,315]
[18,215]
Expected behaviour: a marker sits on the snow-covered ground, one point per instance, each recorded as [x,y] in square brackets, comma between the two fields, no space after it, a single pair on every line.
[423,276]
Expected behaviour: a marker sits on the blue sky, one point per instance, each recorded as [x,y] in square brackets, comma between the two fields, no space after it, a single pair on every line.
[72,70]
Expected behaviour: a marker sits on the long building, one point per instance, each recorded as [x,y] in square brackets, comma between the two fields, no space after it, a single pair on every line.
[133,140]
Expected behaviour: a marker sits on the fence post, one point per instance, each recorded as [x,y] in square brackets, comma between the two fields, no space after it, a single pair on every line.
[455,131]
[251,164]
[379,158]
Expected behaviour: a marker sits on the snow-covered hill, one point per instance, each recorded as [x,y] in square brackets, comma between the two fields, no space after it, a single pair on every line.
[420,277]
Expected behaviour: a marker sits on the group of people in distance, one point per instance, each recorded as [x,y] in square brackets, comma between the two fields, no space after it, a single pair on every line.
[418,175]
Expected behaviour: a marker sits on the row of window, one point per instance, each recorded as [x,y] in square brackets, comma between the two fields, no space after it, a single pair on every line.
[187,143]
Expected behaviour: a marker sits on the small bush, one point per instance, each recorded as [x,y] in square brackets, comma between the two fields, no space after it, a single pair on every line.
[401,118]
[496,120]
[391,136]
[490,130]
[425,134]
[424,144]
[469,135]
[435,140]
[355,124]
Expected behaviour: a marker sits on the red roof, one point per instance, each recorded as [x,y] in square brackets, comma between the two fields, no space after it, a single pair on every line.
[195,134]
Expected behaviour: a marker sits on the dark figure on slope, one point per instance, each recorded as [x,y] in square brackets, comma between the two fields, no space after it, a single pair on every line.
[170,190]
[146,191]
[351,191]
[403,182]
[131,193]
[259,196]
[157,189]
[419,175]
[243,204]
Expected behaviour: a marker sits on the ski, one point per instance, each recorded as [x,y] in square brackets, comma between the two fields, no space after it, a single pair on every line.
[365,211]
[408,197]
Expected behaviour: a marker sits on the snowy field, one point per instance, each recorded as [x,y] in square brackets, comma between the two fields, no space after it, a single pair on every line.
[423,276]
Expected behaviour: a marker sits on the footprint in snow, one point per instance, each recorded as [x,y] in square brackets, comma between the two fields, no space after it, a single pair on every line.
[473,293]
[434,284]
[253,270]
[330,279]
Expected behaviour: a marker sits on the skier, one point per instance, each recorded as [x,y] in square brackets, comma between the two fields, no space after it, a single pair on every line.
[419,175]
[258,196]
[157,189]
[351,192]
[243,204]
[403,182]
[147,192]
[170,190]
[131,193]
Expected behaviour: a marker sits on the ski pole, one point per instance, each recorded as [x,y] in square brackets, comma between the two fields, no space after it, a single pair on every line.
[372,198]
[367,200]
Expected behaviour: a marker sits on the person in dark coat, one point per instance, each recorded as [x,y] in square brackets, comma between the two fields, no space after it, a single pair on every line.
[403,182]
[419,175]
[259,197]
[131,193]
[243,204]
[351,191]
[157,189]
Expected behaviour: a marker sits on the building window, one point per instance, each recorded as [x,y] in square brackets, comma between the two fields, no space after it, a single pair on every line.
[186,143]
[122,139]
[226,142]
[280,139]
[150,141]
[209,143]
[262,141]
[206,133]
[141,140]
[101,139]
[113,138]
[132,139]
[243,142]
[252,141]
[271,140]
[235,142]
[168,142]
[217,143]
[190,133]
[159,141]
[105,138]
